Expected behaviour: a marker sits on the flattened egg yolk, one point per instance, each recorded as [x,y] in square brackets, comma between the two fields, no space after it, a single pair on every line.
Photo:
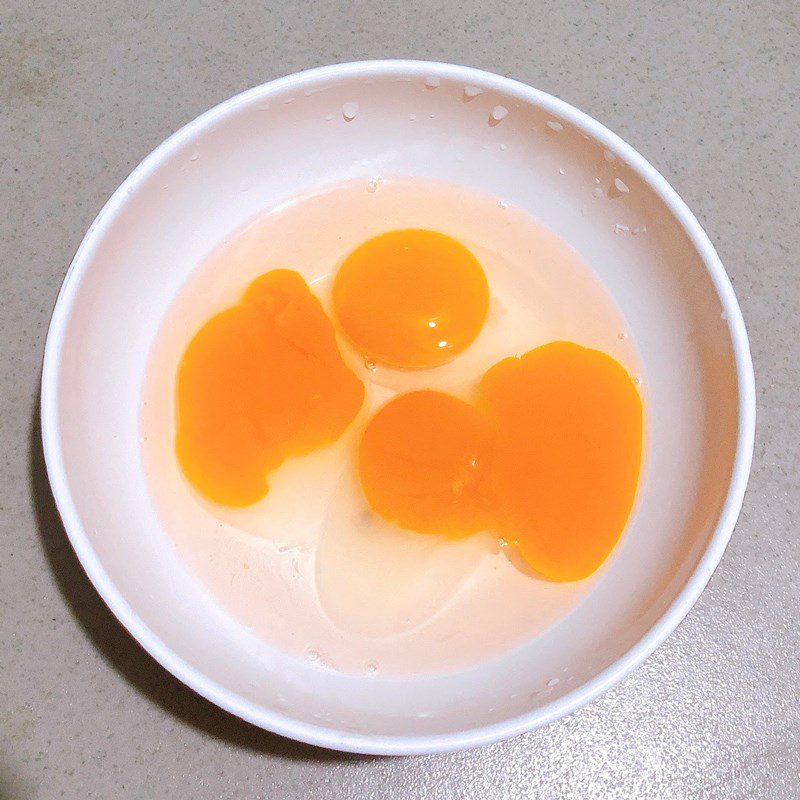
[259,382]
[549,458]
[411,298]
[569,454]
[423,462]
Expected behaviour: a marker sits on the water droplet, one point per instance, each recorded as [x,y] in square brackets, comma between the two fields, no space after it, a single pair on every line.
[412,117]
[562,171]
[474,463]
[502,542]
[432,82]
[639,229]
[313,656]
[499,113]
[597,191]
[597,180]
[622,336]
[288,100]
[372,185]
[609,156]
[329,117]
[637,381]
[431,115]
[471,92]
[620,228]
[554,126]
[621,186]
[503,205]
[553,682]
[349,111]
[432,323]
[372,667]
[194,156]
[370,365]
[443,343]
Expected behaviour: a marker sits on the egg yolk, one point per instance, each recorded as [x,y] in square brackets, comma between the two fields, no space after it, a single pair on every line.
[568,455]
[423,463]
[549,458]
[411,298]
[258,383]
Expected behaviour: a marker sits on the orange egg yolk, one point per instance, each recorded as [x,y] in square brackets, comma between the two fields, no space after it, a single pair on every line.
[258,383]
[549,458]
[423,462]
[411,298]
[569,453]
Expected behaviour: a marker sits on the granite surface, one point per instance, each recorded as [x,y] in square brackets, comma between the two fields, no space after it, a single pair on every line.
[708,91]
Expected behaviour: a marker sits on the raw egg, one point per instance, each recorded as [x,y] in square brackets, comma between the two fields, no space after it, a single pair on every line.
[411,298]
[569,452]
[259,382]
[423,463]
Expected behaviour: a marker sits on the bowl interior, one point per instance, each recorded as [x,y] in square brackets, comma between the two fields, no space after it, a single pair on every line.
[264,148]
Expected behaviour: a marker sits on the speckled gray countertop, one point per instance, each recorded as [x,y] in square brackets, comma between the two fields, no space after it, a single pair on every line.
[709,92]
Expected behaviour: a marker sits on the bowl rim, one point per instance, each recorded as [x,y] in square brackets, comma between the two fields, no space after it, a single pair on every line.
[328,737]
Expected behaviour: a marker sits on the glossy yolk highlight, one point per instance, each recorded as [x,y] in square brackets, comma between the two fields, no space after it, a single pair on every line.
[423,463]
[549,459]
[411,298]
[259,382]
[569,454]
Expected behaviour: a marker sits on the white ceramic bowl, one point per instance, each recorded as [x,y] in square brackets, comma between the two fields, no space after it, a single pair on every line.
[274,139]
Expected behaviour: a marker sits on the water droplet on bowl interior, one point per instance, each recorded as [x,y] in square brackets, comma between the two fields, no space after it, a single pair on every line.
[597,191]
[639,229]
[554,126]
[503,204]
[609,156]
[499,113]
[620,228]
[350,111]
[431,82]
[194,156]
[620,187]
[553,682]
[471,92]
[412,117]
